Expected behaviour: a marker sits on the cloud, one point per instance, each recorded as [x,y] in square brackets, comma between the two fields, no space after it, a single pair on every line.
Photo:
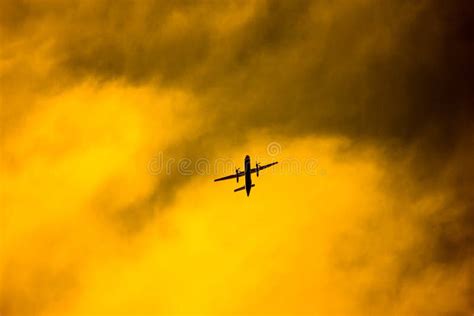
[365,70]
[200,80]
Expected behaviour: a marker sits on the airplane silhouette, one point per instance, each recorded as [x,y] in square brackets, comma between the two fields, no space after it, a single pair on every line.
[248,171]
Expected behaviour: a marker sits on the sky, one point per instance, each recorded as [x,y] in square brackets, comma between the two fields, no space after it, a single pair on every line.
[116,116]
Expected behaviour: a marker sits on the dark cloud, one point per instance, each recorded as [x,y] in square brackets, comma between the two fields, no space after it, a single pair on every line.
[370,71]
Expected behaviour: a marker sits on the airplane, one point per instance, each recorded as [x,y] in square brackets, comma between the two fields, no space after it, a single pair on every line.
[248,171]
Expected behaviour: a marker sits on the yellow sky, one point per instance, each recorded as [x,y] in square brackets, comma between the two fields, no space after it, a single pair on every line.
[117,116]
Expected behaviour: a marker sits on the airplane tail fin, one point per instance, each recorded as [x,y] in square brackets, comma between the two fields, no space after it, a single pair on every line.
[239,189]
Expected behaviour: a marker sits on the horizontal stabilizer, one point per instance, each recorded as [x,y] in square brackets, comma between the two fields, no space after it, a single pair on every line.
[239,189]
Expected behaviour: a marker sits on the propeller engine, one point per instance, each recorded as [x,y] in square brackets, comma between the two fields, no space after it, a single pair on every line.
[257,168]
[237,171]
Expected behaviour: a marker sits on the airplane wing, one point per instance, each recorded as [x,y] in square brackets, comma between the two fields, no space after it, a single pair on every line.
[263,167]
[232,176]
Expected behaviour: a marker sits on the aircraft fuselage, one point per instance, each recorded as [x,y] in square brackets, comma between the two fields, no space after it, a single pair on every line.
[248,177]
